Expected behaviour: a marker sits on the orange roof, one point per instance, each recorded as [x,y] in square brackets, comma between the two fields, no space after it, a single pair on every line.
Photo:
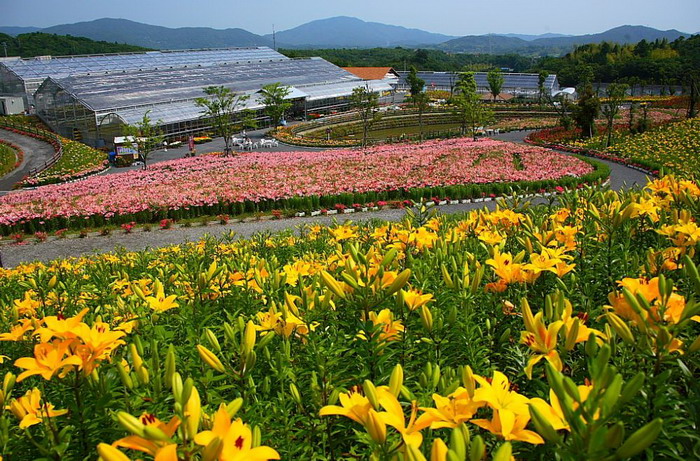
[370,73]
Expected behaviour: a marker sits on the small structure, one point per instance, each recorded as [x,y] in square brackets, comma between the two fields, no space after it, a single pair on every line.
[11,105]
[386,74]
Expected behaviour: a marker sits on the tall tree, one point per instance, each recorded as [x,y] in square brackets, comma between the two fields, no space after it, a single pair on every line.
[541,79]
[615,94]
[418,98]
[145,136]
[366,103]
[220,106]
[586,110]
[467,105]
[273,98]
[495,79]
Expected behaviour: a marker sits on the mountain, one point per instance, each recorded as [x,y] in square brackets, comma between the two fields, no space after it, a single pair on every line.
[529,38]
[347,32]
[15,30]
[553,45]
[158,37]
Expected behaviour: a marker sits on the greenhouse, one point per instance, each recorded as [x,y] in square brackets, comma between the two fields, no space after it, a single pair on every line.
[513,83]
[94,108]
[22,77]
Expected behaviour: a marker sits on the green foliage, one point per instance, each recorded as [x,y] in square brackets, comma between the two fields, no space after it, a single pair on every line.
[41,44]
[220,106]
[365,102]
[273,98]
[495,80]
[146,137]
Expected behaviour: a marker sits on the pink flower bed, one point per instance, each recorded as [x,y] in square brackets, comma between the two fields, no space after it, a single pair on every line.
[260,176]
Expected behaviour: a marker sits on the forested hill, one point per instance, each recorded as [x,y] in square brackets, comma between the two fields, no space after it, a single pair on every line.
[41,44]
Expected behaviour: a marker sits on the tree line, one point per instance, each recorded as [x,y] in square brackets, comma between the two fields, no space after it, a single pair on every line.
[41,44]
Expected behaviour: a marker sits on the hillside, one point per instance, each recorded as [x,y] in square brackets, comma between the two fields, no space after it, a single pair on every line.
[554,45]
[40,44]
[158,37]
[347,32]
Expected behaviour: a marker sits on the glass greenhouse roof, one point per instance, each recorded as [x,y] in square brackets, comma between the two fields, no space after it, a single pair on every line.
[130,89]
[63,66]
[510,80]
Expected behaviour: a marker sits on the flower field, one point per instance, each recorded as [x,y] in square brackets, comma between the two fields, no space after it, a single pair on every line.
[10,157]
[293,180]
[675,147]
[78,160]
[565,331]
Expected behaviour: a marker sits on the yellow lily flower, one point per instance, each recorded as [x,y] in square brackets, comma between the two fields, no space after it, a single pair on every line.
[236,440]
[353,405]
[496,394]
[160,449]
[415,299]
[30,411]
[510,426]
[541,339]
[450,411]
[391,329]
[394,417]
[60,327]
[160,302]
[48,361]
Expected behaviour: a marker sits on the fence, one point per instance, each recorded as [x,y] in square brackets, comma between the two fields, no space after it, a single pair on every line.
[44,135]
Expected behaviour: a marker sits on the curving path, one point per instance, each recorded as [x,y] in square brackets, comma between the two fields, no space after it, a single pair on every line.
[12,255]
[36,153]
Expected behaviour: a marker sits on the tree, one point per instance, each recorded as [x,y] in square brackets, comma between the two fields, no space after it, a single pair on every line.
[144,136]
[220,106]
[615,94]
[418,98]
[495,79]
[366,103]
[541,79]
[273,98]
[586,110]
[467,105]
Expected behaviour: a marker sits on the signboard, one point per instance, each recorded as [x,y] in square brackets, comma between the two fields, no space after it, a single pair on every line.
[123,150]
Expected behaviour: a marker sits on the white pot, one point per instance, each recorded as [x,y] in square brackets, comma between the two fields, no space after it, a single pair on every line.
[315,213]
[349,210]
[300,214]
[332,212]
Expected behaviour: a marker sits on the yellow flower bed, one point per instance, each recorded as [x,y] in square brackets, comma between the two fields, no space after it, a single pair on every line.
[519,331]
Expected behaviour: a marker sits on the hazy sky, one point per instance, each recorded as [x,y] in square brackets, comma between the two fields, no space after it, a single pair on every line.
[454,17]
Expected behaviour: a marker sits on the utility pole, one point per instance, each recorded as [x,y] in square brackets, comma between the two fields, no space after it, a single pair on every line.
[274,40]
[4,45]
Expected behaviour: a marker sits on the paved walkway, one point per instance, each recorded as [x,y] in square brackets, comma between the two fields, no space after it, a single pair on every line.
[36,153]
[621,177]
[216,145]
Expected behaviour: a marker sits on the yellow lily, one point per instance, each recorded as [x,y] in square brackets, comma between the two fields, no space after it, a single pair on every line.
[510,426]
[163,450]
[394,417]
[30,411]
[353,405]
[48,361]
[236,440]
[541,339]
[450,411]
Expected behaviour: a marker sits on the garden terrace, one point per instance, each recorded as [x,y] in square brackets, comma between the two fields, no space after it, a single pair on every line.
[250,182]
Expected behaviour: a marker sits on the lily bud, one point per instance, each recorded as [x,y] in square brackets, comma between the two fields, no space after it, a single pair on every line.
[193,413]
[477,449]
[233,407]
[210,359]
[468,380]
[376,428]
[640,440]
[212,340]
[426,318]
[109,453]
[211,451]
[371,393]
[332,284]
[399,282]
[396,380]
[249,337]
[620,327]
[131,423]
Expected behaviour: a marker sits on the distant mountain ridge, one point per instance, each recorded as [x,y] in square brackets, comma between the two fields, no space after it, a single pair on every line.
[347,32]
[158,37]
[341,32]
[554,45]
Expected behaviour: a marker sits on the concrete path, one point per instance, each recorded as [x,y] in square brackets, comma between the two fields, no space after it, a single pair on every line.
[12,255]
[36,153]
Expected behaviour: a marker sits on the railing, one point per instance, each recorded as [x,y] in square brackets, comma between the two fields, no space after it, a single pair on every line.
[44,135]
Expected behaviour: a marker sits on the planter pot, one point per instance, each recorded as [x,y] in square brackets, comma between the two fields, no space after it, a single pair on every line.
[349,210]
[364,208]
[315,213]
[442,202]
[332,212]
[454,202]
[429,203]
[374,208]
[300,214]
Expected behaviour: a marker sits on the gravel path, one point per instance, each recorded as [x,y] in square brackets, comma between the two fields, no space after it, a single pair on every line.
[36,153]
[12,255]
